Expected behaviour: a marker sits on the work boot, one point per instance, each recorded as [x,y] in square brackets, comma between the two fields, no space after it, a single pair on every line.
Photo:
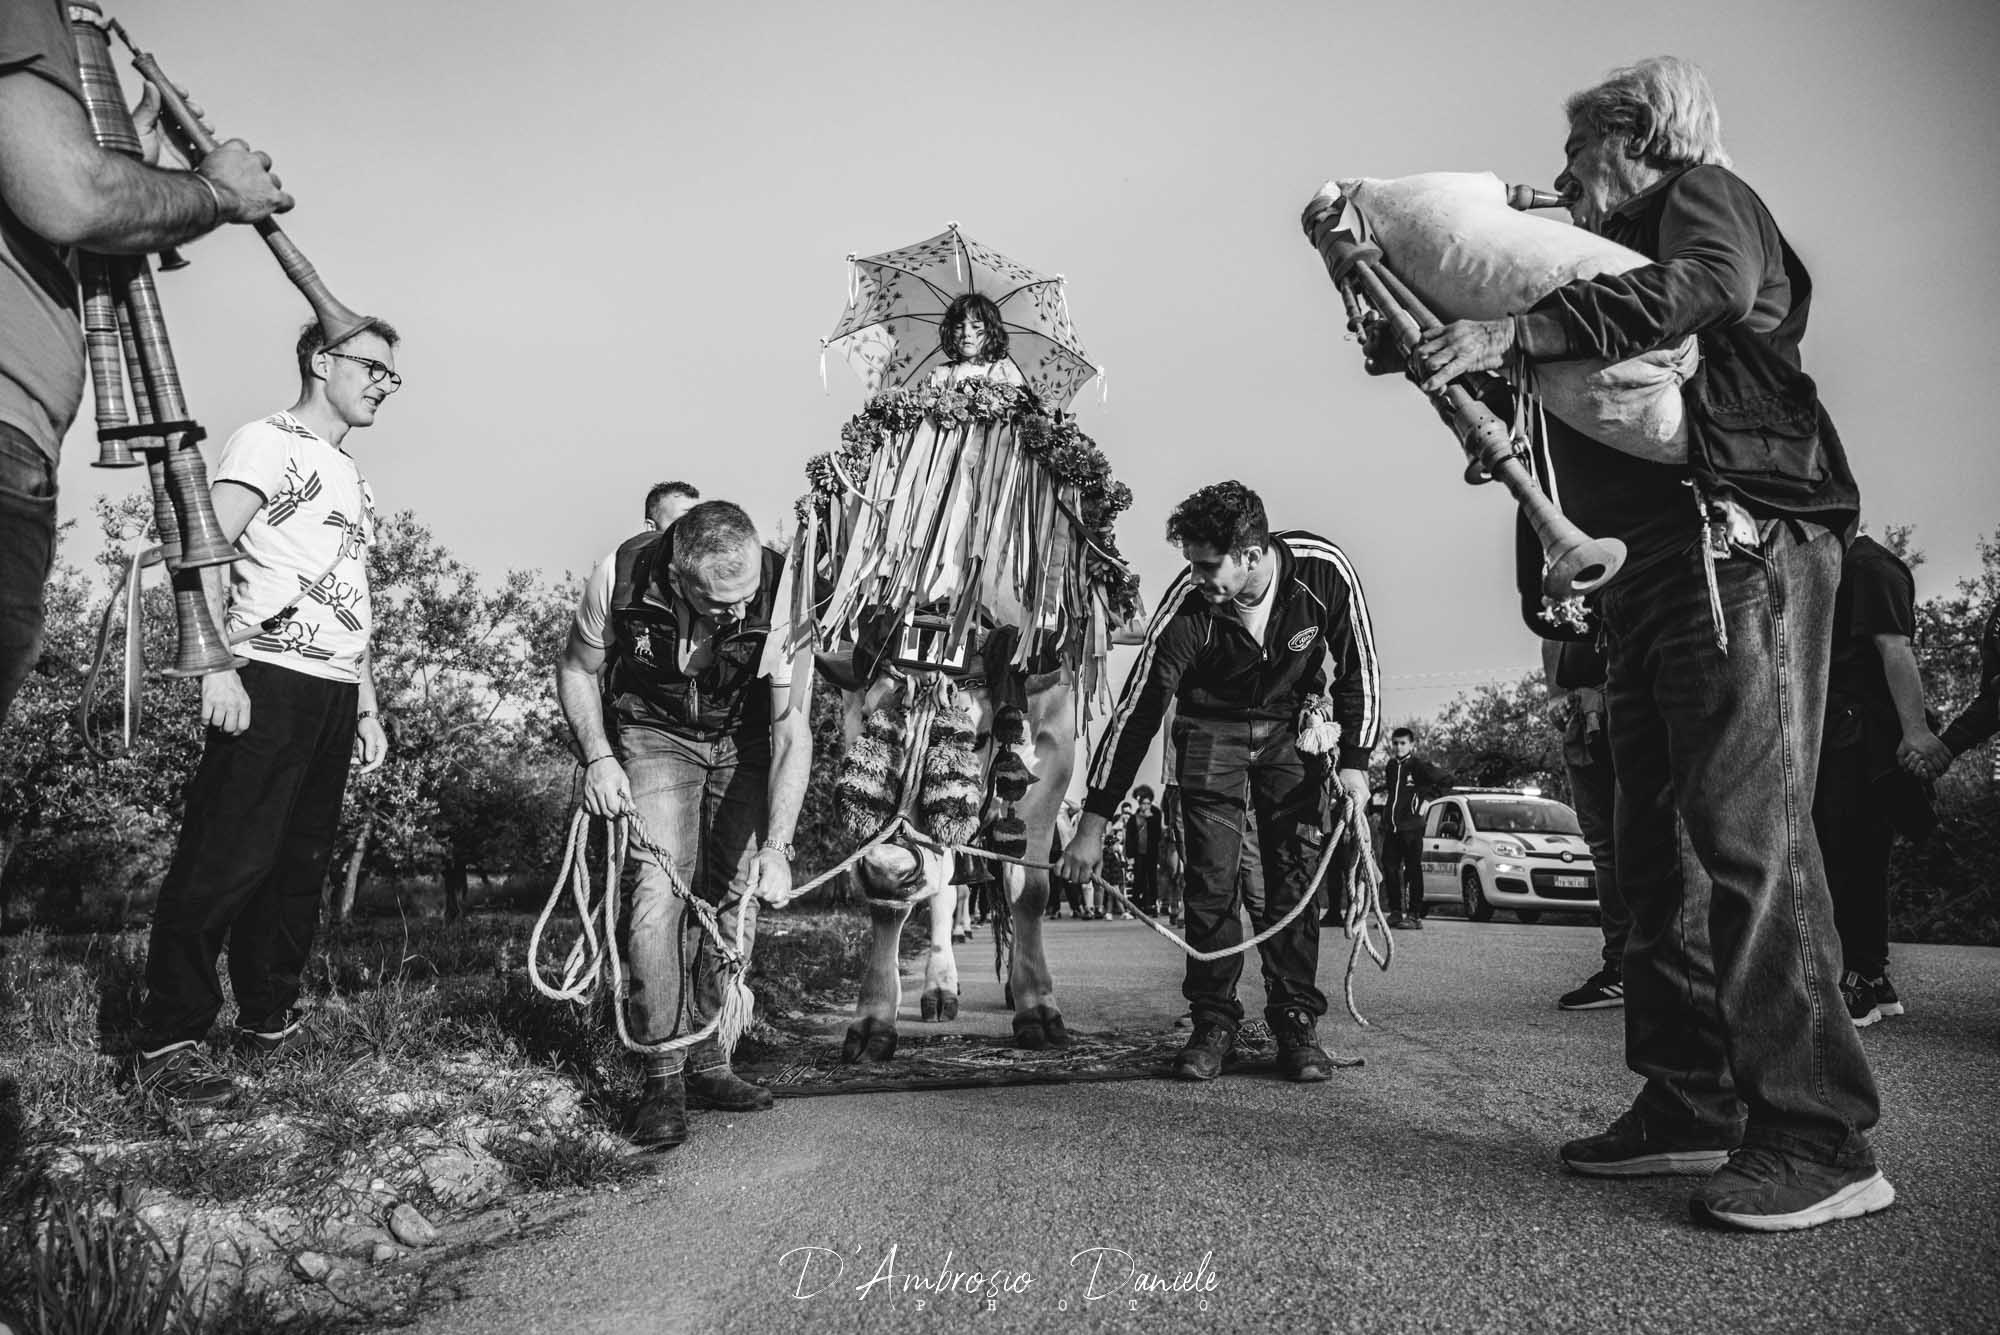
[660,1121]
[721,1088]
[181,1073]
[1300,1057]
[1202,1058]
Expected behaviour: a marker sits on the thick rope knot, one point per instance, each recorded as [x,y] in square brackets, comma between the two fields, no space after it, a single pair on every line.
[588,953]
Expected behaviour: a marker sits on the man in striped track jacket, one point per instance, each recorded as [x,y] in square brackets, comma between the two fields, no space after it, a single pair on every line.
[1241,644]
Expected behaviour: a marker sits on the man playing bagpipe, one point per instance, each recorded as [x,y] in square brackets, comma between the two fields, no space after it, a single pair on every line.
[1718,630]
[1239,648]
[60,189]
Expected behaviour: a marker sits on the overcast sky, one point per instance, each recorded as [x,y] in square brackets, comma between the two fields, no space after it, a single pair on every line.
[613,235]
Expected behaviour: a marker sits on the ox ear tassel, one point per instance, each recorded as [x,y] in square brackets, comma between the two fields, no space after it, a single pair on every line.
[1010,726]
[1009,835]
[1011,776]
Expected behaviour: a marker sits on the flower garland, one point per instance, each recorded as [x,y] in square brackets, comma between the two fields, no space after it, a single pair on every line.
[1070,456]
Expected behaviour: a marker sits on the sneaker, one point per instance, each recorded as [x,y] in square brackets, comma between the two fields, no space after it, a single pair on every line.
[1626,1149]
[1859,994]
[1886,999]
[181,1073]
[660,1121]
[1202,1058]
[1413,922]
[721,1088]
[270,1037]
[1765,1190]
[1400,920]
[1600,991]
[1300,1057]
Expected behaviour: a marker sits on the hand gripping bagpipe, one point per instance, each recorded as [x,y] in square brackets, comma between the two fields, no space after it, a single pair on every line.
[142,416]
[1390,321]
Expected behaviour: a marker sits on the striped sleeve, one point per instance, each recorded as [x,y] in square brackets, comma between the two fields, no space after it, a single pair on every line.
[1149,692]
[1356,687]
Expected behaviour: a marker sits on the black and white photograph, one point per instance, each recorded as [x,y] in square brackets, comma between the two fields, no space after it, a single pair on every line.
[1093,666]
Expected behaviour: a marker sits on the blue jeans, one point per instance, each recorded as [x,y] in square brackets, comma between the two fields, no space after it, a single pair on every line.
[703,803]
[27,547]
[1733,1013]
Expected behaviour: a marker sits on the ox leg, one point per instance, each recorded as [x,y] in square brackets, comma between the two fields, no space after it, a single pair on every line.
[940,996]
[872,1036]
[893,880]
[1037,1021]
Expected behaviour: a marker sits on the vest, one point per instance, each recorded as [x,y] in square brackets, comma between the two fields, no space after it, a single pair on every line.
[644,686]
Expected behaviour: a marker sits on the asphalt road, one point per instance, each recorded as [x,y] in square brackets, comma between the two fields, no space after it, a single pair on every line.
[1418,1192]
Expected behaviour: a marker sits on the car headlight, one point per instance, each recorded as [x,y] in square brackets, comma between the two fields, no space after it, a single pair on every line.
[1506,868]
[1507,848]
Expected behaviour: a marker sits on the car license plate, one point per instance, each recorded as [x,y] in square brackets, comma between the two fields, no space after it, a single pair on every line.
[1572,882]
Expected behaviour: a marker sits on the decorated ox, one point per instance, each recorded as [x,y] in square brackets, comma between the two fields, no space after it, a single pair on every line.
[897,876]
[956,573]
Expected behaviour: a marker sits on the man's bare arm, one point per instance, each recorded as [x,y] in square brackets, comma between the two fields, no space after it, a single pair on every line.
[607,791]
[1906,690]
[791,762]
[225,704]
[578,693]
[67,190]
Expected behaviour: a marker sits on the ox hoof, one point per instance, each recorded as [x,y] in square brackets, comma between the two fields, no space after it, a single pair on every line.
[1040,1028]
[938,1004]
[869,1040]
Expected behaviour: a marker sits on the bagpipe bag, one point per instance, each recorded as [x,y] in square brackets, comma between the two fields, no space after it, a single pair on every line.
[1455,240]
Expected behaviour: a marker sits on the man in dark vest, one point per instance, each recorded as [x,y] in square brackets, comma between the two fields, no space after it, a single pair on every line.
[676,687]
[1718,630]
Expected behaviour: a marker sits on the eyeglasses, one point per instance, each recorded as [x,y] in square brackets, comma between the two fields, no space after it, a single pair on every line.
[377,371]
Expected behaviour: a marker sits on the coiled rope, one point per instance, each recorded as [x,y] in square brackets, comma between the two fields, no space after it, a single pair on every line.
[585,963]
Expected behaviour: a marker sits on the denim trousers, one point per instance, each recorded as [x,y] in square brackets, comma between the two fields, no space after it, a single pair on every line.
[703,804]
[1230,772]
[1593,792]
[1733,1013]
[27,548]
[249,868]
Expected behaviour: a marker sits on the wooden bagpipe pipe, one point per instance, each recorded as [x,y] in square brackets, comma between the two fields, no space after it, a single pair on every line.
[142,413]
[1390,320]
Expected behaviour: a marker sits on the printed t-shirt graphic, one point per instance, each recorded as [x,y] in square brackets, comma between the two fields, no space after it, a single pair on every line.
[317,522]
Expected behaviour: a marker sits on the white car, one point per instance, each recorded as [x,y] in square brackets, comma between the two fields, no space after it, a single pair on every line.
[1501,849]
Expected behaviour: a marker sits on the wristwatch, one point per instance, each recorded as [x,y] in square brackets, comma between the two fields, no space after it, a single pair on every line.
[779,847]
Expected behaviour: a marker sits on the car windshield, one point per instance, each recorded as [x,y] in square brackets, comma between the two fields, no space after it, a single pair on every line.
[1501,816]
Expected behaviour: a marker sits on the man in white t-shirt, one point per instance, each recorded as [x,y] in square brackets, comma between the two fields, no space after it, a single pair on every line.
[675,683]
[264,803]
